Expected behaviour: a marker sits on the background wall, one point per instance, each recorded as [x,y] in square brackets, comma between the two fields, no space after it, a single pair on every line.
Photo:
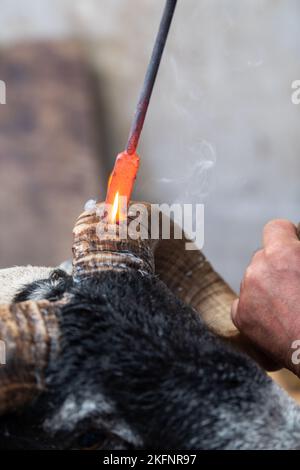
[221,128]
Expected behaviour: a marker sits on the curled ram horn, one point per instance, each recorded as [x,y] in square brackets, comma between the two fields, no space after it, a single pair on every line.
[192,278]
[29,339]
[187,273]
[99,246]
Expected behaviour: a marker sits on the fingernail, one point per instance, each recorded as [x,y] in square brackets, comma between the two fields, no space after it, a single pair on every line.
[234,308]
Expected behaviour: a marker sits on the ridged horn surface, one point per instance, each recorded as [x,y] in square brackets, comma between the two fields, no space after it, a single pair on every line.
[29,340]
[191,277]
[187,273]
[96,250]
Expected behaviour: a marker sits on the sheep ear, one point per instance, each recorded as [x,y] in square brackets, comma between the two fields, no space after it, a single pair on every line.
[13,280]
[29,340]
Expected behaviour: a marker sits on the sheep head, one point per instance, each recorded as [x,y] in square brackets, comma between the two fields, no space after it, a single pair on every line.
[117,343]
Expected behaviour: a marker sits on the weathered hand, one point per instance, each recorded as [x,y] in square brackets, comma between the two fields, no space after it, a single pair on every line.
[268,310]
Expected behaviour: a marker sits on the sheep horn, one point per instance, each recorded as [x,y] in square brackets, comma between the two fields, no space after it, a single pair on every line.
[187,273]
[192,278]
[29,341]
[94,252]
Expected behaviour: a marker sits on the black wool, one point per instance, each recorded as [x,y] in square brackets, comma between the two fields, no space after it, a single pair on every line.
[139,369]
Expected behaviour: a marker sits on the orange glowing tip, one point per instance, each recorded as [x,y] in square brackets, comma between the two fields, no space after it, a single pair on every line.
[115,209]
[121,182]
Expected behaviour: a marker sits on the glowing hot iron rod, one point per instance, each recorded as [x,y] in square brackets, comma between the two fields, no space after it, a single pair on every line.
[123,176]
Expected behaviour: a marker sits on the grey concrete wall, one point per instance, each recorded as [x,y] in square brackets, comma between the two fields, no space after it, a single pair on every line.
[221,128]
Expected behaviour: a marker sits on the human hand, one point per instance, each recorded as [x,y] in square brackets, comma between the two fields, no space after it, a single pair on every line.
[268,310]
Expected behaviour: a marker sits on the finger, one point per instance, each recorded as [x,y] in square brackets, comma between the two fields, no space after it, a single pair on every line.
[279,232]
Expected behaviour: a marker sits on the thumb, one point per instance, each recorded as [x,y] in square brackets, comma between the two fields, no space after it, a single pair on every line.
[234,309]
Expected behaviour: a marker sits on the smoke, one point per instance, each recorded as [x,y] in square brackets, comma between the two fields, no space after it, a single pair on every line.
[119,37]
[177,157]
[224,89]
[192,185]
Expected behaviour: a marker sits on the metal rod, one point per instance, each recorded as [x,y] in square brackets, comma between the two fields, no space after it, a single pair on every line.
[150,77]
